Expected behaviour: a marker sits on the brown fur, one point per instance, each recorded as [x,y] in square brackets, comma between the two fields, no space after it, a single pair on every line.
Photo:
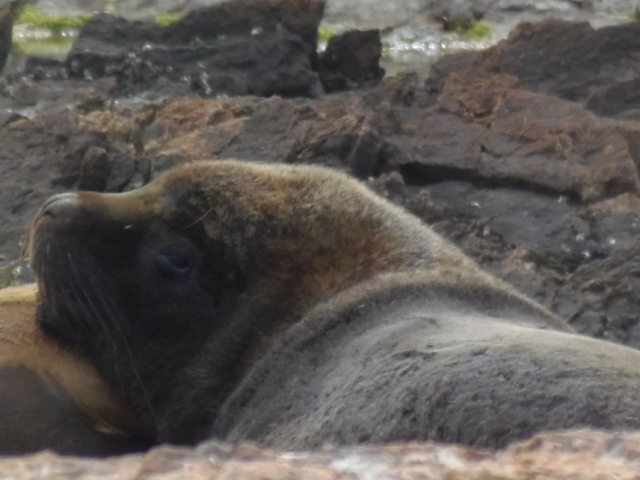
[25,348]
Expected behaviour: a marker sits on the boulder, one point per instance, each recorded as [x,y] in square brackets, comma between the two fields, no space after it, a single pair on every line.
[6,31]
[571,60]
[262,64]
[351,59]
[488,130]
[235,48]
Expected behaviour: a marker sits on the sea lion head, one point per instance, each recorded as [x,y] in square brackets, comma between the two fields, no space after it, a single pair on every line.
[175,289]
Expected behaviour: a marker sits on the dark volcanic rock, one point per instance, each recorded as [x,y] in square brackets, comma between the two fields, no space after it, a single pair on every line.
[261,64]
[6,30]
[26,171]
[618,99]
[570,60]
[487,131]
[550,230]
[245,47]
[249,17]
[351,59]
[601,298]
[237,48]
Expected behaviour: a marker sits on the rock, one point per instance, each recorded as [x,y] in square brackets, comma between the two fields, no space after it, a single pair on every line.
[571,60]
[249,17]
[552,232]
[261,64]
[580,454]
[600,298]
[457,15]
[245,47]
[25,173]
[237,48]
[331,131]
[352,58]
[27,98]
[620,99]
[6,31]
[485,130]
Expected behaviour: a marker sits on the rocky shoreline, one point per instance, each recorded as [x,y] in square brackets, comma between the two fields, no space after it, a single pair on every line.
[525,155]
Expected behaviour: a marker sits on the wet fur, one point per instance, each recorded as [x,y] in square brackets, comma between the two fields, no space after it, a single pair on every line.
[284,259]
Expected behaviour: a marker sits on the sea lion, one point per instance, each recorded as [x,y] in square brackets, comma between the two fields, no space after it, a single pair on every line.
[291,306]
[50,398]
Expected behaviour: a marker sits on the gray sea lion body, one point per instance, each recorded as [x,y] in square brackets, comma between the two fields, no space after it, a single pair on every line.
[421,364]
[292,306]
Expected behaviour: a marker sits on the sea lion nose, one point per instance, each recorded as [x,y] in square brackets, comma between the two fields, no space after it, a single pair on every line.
[60,206]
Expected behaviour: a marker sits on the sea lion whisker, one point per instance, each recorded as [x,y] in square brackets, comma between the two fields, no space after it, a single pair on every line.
[84,301]
[204,215]
[135,369]
[115,322]
[79,301]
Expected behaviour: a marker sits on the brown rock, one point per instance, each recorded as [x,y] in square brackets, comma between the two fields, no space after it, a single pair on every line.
[618,99]
[330,131]
[485,130]
[579,454]
[571,60]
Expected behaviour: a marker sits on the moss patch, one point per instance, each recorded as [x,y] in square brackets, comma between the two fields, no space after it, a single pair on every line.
[325,32]
[167,18]
[478,30]
[48,47]
[56,24]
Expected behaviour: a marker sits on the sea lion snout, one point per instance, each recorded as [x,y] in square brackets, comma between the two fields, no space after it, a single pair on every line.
[59,206]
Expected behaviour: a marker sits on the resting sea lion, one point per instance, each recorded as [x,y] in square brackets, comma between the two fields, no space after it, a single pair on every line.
[50,398]
[291,306]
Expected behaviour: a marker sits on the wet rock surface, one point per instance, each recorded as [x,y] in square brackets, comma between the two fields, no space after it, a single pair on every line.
[241,48]
[578,454]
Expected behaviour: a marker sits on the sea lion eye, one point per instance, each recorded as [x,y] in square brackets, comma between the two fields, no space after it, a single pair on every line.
[175,263]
